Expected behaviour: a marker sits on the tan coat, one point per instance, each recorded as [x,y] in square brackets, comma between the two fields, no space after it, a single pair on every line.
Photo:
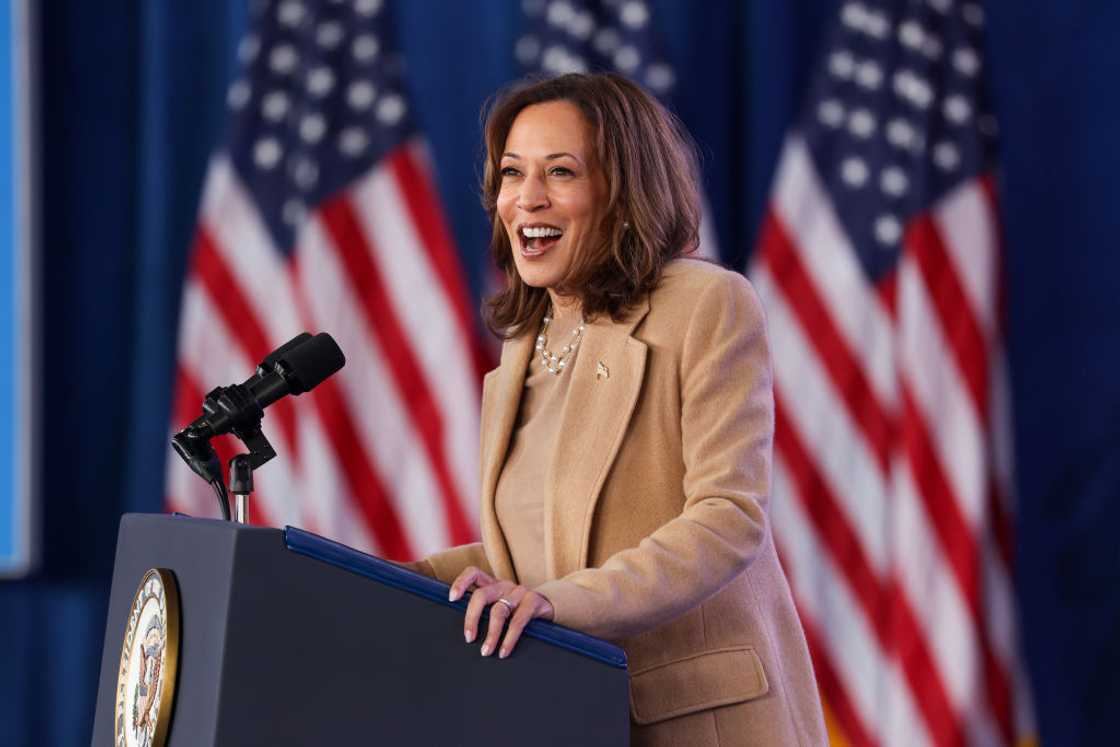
[656,528]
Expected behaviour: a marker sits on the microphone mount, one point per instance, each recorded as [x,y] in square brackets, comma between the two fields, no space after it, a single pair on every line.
[236,405]
[297,366]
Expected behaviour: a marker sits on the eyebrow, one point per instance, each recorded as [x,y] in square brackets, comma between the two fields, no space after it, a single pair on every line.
[549,157]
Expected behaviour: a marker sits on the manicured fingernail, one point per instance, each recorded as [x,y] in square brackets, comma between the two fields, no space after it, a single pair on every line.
[503,653]
[486,649]
[468,635]
[452,595]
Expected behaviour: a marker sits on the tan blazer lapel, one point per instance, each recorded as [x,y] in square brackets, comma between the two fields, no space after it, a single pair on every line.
[606,379]
[501,396]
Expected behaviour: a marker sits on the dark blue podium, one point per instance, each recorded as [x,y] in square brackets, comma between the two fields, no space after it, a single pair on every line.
[290,639]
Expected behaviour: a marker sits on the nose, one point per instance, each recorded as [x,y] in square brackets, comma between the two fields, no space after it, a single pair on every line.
[533,194]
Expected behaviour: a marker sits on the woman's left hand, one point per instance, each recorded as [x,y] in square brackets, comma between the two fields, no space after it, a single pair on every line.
[519,605]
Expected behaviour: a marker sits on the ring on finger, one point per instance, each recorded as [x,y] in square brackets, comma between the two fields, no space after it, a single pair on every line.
[509,605]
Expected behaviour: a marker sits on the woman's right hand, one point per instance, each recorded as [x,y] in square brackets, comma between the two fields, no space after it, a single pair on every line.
[509,603]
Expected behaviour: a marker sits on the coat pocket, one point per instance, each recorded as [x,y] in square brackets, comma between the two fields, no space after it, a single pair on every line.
[696,683]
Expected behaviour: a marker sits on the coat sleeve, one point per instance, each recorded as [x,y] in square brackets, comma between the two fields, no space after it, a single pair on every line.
[727,425]
[447,564]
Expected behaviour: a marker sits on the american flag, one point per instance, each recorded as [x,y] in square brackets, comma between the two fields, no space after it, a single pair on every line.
[320,214]
[880,263]
[579,36]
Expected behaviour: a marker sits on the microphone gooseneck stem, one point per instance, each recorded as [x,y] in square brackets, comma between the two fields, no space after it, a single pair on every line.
[241,485]
[241,508]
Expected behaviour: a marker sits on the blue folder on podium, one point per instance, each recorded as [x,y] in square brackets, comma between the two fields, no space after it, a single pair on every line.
[288,638]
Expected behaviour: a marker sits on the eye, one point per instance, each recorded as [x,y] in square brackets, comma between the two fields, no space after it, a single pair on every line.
[560,171]
[509,171]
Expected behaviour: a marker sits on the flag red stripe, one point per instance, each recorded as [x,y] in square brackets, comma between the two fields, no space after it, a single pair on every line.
[353,248]
[886,608]
[228,300]
[957,541]
[959,547]
[424,209]
[831,685]
[829,520]
[833,352]
[367,489]
[909,647]
[226,296]
[887,291]
[958,321]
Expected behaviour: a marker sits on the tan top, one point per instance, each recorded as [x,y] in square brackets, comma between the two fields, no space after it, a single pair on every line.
[519,496]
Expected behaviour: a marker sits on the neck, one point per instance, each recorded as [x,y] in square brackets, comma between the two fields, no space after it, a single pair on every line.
[564,307]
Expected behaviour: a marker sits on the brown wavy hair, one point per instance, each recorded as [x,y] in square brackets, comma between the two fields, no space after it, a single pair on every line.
[650,166]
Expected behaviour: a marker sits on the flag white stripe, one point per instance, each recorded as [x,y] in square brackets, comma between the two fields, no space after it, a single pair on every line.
[939,608]
[382,420]
[967,226]
[247,248]
[430,323]
[329,508]
[206,347]
[834,442]
[930,371]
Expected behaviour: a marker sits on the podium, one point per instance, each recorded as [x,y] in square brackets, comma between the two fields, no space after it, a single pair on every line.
[287,638]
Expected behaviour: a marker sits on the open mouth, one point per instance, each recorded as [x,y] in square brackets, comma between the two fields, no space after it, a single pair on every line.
[538,239]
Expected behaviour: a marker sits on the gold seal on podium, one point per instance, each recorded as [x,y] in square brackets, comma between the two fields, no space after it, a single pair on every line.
[149,663]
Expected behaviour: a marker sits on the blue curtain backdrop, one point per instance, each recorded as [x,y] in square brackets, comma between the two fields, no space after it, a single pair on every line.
[132,103]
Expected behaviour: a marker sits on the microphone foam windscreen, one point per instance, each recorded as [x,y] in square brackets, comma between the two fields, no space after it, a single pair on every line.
[281,352]
[312,362]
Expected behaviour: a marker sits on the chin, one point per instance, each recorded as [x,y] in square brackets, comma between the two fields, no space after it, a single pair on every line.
[537,276]
[537,280]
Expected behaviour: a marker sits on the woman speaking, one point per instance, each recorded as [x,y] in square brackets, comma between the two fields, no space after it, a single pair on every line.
[626,434]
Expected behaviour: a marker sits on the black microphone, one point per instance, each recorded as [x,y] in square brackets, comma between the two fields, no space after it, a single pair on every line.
[298,366]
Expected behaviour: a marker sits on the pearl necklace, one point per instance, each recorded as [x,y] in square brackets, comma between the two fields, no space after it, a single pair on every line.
[555,363]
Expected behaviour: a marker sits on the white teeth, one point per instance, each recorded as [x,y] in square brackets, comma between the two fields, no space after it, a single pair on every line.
[540,232]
